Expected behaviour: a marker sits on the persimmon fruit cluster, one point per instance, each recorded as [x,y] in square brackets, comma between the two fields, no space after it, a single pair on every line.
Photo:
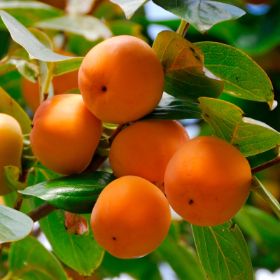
[205,180]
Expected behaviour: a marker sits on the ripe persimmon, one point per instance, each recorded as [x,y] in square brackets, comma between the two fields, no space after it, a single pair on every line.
[207,181]
[145,148]
[130,218]
[65,134]
[11,145]
[61,84]
[121,79]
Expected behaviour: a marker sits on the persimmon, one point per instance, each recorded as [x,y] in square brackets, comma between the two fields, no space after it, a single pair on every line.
[65,134]
[130,218]
[145,148]
[11,145]
[207,181]
[121,79]
[61,84]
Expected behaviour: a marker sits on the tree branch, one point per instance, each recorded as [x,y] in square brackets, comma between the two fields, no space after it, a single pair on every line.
[41,212]
[266,165]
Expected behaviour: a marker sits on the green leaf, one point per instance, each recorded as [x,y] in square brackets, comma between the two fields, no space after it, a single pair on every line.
[202,14]
[250,136]
[87,26]
[30,260]
[141,268]
[28,12]
[243,77]
[14,225]
[171,108]
[80,252]
[11,107]
[185,76]
[62,67]
[181,258]
[129,6]
[28,41]
[223,252]
[260,226]
[76,194]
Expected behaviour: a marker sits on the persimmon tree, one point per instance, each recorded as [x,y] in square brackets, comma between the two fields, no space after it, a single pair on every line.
[214,65]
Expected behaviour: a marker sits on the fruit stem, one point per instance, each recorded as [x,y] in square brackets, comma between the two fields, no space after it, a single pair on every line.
[183,28]
[260,189]
[266,165]
[41,211]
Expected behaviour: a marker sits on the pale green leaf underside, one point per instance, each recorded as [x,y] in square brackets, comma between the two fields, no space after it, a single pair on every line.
[14,225]
[202,14]
[87,26]
[129,6]
[21,35]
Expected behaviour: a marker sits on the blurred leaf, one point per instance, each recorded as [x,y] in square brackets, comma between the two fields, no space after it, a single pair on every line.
[183,65]
[243,77]
[11,107]
[29,259]
[260,226]
[62,67]
[129,6]
[202,14]
[28,41]
[223,252]
[14,225]
[80,252]
[181,258]
[76,193]
[141,268]
[171,108]
[89,27]
[250,136]
[28,12]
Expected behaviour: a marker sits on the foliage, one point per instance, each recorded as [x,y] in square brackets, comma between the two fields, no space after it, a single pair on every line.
[217,81]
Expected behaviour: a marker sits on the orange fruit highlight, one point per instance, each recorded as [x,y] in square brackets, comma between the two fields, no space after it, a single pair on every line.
[121,79]
[11,145]
[145,148]
[130,218]
[207,181]
[65,134]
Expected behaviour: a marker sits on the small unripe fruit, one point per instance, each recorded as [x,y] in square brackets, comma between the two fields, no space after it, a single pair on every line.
[130,218]
[61,84]
[65,134]
[207,181]
[121,79]
[145,148]
[11,145]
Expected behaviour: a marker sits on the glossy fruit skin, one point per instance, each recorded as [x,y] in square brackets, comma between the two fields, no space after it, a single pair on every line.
[11,145]
[61,84]
[65,134]
[121,79]
[130,218]
[207,181]
[145,148]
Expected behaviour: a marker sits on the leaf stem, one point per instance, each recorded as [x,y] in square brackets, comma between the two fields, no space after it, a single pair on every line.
[266,165]
[260,189]
[41,211]
[183,28]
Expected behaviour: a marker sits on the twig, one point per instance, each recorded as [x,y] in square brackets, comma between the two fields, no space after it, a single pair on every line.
[183,28]
[41,211]
[266,165]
